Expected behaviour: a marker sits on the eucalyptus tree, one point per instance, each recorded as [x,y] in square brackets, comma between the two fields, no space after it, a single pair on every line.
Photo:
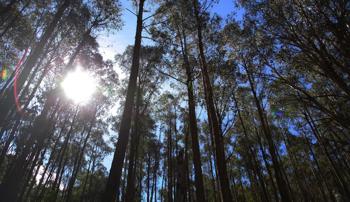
[101,15]
[271,59]
[82,22]
[212,114]
[148,83]
[113,183]
[7,98]
[274,86]
[174,31]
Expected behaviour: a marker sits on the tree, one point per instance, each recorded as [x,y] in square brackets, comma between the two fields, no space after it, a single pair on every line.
[113,182]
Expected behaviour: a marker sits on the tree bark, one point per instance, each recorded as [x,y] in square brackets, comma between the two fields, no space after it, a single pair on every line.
[282,186]
[130,187]
[219,144]
[79,161]
[193,124]
[113,182]
[8,99]
[252,158]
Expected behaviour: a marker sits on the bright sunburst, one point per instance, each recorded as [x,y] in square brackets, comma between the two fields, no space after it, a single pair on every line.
[79,86]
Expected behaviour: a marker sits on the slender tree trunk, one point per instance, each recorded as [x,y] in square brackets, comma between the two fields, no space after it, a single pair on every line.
[282,186]
[61,156]
[139,190]
[267,165]
[148,178]
[124,179]
[9,140]
[219,144]
[169,160]
[213,169]
[79,162]
[298,175]
[187,167]
[193,124]
[163,183]
[83,194]
[253,159]
[113,182]
[135,139]
[56,187]
[341,184]
[8,99]
[89,188]
[319,175]
[32,179]
[13,179]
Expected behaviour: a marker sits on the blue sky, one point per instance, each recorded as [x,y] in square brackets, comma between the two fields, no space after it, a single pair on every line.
[115,42]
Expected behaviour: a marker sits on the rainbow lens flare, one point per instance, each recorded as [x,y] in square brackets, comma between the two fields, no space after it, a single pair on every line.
[4,74]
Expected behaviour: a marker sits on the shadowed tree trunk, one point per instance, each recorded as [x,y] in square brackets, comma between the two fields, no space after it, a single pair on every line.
[8,99]
[215,127]
[130,187]
[113,182]
[341,184]
[79,160]
[282,186]
[193,123]
[252,157]
[13,179]
[169,152]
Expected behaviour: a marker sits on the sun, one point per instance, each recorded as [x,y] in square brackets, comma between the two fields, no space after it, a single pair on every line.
[79,86]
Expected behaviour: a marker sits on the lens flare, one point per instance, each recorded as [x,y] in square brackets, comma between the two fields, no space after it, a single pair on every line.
[4,74]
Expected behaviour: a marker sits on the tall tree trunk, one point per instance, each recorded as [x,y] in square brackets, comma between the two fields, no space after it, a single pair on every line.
[32,178]
[79,160]
[193,123]
[187,166]
[49,162]
[8,99]
[267,165]
[298,174]
[169,161]
[319,173]
[148,178]
[252,156]
[10,138]
[213,168]
[342,185]
[180,194]
[86,178]
[219,144]
[135,139]
[13,179]
[65,145]
[124,179]
[113,182]
[282,186]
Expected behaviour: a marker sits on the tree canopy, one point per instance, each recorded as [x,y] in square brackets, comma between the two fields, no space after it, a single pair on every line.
[252,106]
